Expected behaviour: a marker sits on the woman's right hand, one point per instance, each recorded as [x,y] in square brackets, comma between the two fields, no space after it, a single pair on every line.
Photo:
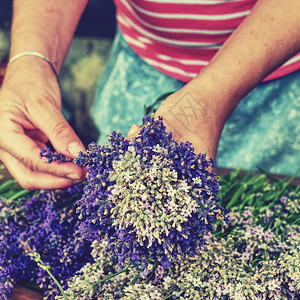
[30,116]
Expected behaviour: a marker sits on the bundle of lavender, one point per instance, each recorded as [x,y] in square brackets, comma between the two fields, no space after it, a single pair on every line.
[153,198]
[147,205]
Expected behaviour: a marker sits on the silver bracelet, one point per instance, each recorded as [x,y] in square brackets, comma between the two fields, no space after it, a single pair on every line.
[37,54]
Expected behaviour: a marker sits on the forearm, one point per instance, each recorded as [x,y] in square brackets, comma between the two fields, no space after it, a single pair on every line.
[262,43]
[45,26]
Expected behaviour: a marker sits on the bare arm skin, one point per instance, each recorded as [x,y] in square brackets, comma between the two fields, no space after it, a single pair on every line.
[30,101]
[45,26]
[267,38]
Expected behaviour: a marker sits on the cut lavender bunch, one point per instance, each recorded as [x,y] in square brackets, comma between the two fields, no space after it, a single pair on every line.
[152,198]
[47,223]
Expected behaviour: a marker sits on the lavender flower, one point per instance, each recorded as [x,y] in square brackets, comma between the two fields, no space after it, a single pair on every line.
[47,223]
[53,156]
[154,198]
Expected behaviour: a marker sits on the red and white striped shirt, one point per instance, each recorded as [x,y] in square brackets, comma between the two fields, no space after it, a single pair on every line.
[180,37]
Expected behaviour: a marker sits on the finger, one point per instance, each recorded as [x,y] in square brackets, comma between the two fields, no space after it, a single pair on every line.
[40,145]
[26,151]
[60,133]
[134,128]
[37,135]
[31,180]
[133,131]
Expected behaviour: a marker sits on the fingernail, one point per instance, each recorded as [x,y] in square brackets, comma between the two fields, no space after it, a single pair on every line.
[73,176]
[74,148]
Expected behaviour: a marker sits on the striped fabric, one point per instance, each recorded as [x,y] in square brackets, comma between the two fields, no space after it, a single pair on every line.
[180,37]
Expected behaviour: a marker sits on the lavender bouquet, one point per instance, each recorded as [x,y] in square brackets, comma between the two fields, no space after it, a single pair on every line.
[153,198]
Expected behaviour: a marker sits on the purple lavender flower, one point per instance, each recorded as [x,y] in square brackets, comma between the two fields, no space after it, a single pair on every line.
[153,198]
[46,222]
[53,156]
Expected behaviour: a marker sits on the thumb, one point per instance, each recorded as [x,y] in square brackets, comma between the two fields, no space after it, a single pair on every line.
[133,130]
[61,135]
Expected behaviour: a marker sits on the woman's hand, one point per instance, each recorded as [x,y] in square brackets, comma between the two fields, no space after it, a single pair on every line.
[30,115]
[190,117]
[267,38]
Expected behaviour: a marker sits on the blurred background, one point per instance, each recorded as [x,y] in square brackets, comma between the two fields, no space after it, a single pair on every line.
[83,66]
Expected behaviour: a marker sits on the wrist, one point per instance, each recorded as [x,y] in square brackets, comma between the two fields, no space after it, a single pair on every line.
[28,70]
[46,27]
[213,96]
[44,38]
[190,116]
[35,54]
[32,43]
